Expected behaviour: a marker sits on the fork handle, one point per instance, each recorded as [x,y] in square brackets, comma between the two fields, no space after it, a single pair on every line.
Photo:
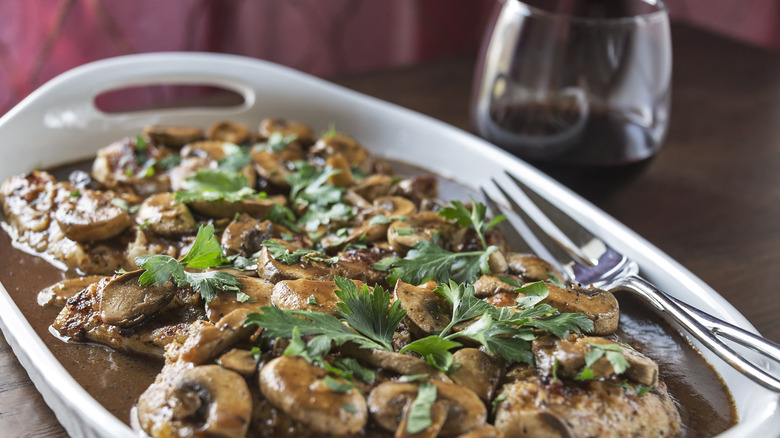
[706,328]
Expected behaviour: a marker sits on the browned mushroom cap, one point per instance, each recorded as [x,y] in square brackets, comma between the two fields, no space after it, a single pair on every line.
[208,400]
[344,176]
[426,311]
[91,216]
[285,127]
[299,389]
[230,132]
[124,302]
[307,295]
[214,150]
[258,290]
[371,230]
[465,411]
[477,371]
[173,136]
[207,341]
[162,215]
[598,305]
[403,234]
[340,144]
[241,361]
[251,205]
[59,292]
[373,186]
[274,270]
[570,358]
[272,165]
[532,268]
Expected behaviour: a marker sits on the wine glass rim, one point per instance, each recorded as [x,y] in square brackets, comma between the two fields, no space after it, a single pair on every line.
[660,13]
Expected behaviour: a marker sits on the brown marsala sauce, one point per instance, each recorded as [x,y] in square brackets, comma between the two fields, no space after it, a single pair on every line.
[116,379]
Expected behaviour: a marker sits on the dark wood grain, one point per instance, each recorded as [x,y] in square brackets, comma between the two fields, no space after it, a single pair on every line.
[711,198]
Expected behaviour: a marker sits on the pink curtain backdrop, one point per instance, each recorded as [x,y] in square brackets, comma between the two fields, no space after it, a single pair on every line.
[42,38]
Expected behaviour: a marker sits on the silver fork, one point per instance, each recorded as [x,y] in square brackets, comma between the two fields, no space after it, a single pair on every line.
[592,262]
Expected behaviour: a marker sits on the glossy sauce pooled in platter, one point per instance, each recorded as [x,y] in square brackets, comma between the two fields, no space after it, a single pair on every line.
[277,283]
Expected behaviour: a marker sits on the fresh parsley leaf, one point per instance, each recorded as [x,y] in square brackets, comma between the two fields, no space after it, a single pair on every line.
[496,402]
[385,263]
[349,408]
[427,261]
[336,385]
[370,313]
[278,323]
[533,293]
[214,185]
[475,217]
[465,305]
[419,417]
[312,300]
[318,214]
[280,252]
[351,368]
[405,231]
[435,350]
[236,158]
[614,354]
[158,269]
[280,214]
[276,142]
[204,253]
[413,377]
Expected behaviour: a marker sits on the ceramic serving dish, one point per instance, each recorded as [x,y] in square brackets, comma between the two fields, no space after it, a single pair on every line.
[60,123]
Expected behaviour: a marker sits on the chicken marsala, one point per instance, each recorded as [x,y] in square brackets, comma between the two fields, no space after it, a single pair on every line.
[291,285]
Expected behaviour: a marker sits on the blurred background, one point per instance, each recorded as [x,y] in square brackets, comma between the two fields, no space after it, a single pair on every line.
[40,39]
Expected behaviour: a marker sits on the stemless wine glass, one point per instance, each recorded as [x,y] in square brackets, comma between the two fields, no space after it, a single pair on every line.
[583,82]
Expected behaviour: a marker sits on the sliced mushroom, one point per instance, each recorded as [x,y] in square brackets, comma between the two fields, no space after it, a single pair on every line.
[124,302]
[91,216]
[173,136]
[299,389]
[598,305]
[531,267]
[344,176]
[241,361]
[465,411]
[490,285]
[259,293]
[477,371]
[307,295]
[230,132]
[340,144]
[426,311]
[59,292]
[285,127]
[208,340]
[213,151]
[126,167]
[253,206]
[274,270]
[568,359]
[373,186]
[162,215]
[404,234]
[207,400]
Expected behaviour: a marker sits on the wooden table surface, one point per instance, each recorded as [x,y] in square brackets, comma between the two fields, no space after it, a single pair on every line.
[710,199]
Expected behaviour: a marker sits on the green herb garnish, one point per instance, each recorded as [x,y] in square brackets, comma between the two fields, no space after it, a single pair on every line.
[204,253]
[419,417]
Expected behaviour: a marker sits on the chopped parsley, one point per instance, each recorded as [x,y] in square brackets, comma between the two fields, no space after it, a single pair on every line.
[428,261]
[204,253]
[419,417]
